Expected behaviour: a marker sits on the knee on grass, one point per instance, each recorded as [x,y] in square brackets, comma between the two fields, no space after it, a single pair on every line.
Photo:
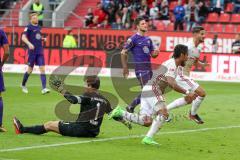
[49,126]
[147,121]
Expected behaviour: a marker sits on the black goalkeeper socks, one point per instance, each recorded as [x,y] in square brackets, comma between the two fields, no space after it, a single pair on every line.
[35,129]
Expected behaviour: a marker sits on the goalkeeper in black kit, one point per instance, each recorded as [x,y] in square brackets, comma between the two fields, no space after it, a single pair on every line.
[92,103]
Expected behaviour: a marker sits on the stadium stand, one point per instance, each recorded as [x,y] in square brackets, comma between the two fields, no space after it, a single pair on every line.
[121,14]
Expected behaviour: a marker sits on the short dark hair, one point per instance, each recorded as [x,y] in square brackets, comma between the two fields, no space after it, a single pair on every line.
[180,49]
[138,20]
[33,13]
[197,29]
[92,81]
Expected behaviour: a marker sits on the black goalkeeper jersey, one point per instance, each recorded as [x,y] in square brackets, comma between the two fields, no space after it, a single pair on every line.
[93,107]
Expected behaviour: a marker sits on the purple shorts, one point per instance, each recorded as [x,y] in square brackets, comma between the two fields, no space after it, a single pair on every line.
[35,59]
[144,76]
[2,87]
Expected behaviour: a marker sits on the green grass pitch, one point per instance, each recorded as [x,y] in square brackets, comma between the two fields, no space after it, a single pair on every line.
[217,139]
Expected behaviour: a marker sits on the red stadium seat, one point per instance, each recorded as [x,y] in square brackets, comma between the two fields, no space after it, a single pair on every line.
[207,27]
[212,17]
[224,17]
[229,28]
[160,26]
[218,28]
[235,18]
[229,8]
[172,5]
[238,29]
[170,27]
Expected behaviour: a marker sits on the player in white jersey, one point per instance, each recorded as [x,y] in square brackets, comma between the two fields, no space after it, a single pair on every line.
[152,97]
[185,81]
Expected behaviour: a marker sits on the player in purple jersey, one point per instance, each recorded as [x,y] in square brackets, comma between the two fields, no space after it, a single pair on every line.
[33,38]
[142,49]
[4,44]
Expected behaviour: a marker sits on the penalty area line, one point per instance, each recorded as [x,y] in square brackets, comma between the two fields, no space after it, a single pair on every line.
[113,139]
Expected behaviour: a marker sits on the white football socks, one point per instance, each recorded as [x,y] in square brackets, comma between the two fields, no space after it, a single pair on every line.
[156,125]
[177,103]
[196,104]
[133,117]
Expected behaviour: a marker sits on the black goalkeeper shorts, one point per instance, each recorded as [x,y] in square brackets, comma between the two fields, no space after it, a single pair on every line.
[74,129]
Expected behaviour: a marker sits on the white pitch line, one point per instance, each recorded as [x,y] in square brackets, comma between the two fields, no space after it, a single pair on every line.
[7,159]
[113,138]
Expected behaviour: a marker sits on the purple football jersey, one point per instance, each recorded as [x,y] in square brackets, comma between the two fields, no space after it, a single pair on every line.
[3,41]
[3,38]
[141,48]
[34,35]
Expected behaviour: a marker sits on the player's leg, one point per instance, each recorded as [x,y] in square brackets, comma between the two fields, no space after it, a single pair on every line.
[2,129]
[196,104]
[2,88]
[20,129]
[140,119]
[41,63]
[76,129]
[185,83]
[162,115]
[143,78]
[31,61]
[144,118]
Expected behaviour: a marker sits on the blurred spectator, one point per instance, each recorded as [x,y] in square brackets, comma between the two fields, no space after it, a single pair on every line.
[215,44]
[111,14]
[126,16]
[164,12]
[99,13]
[154,11]
[6,4]
[236,44]
[151,26]
[118,24]
[127,26]
[202,12]
[105,25]
[95,23]
[144,10]
[217,6]
[179,13]
[105,4]
[69,40]
[39,8]
[236,6]
[191,14]
[89,17]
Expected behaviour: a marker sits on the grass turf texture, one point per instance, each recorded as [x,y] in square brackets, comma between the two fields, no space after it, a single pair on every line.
[220,109]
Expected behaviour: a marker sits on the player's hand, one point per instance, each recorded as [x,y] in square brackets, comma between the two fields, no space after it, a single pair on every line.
[190,97]
[155,53]
[125,72]
[31,46]
[44,39]
[206,64]
[56,83]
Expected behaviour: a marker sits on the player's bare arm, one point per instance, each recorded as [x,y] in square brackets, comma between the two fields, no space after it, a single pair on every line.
[27,42]
[173,84]
[199,63]
[124,59]
[155,53]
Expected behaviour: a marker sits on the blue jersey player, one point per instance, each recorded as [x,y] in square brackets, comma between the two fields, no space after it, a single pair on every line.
[4,44]
[142,49]
[33,38]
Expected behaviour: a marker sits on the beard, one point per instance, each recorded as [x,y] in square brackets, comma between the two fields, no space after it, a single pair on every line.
[183,64]
[142,30]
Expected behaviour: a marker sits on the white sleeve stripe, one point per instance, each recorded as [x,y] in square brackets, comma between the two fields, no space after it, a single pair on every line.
[79,99]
